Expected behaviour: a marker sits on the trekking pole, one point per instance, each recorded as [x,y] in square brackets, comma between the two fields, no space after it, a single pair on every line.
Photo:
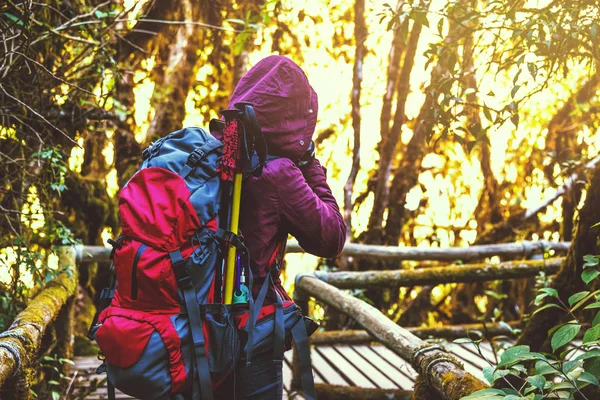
[240,133]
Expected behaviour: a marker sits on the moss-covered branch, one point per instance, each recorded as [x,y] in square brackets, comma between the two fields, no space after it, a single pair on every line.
[436,365]
[439,275]
[20,344]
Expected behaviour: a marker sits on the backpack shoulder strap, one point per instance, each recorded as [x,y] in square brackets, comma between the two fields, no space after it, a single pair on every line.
[255,167]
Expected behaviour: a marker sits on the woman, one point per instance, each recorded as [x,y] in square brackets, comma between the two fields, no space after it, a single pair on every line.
[291,196]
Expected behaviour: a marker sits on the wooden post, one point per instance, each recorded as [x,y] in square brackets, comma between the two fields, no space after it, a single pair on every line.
[439,275]
[301,299]
[441,370]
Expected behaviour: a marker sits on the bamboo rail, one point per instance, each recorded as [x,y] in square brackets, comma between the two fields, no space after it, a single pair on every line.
[448,332]
[392,253]
[439,369]
[21,342]
[437,275]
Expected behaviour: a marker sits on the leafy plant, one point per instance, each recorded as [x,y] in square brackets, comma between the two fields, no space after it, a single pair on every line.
[52,366]
[568,369]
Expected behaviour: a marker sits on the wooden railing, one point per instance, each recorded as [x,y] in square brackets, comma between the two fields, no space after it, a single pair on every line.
[437,368]
[20,345]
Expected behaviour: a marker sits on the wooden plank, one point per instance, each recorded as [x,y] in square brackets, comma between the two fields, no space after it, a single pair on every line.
[326,371]
[396,360]
[365,366]
[472,363]
[393,372]
[288,358]
[347,370]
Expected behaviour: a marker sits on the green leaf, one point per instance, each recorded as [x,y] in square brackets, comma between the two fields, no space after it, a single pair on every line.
[500,373]
[537,381]
[588,354]
[53,383]
[440,26]
[546,306]
[490,394]
[421,17]
[589,275]
[513,354]
[588,378]
[488,374]
[543,368]
[463,340]
[592,334]
[55,396]
[533,69]
[596,320]
[570,366]
[487,113]
[550,291]
[590,261]
[14,18]
[514,90]
[100,14]
[564,335]
[577,296]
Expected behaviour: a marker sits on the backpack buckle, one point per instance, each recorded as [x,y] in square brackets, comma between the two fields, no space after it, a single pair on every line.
[146,153]
[195,157]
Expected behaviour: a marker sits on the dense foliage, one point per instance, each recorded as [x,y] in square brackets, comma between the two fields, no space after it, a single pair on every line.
[441,123]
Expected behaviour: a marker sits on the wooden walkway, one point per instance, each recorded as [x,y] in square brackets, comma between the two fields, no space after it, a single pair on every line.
[368,366]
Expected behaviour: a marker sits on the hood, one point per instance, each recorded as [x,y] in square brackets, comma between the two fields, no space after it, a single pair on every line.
[286,105]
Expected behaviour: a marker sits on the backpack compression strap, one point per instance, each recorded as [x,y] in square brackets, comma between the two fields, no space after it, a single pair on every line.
[189,294]
[303,352]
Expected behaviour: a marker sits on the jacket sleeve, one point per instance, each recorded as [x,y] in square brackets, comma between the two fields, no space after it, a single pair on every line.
[310,211]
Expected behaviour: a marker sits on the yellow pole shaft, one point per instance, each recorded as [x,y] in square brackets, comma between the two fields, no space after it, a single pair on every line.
[233,227]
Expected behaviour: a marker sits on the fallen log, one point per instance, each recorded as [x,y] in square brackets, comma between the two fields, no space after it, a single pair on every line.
[21,342]
[440,369]
[393,253]
[446,332]
[438,275]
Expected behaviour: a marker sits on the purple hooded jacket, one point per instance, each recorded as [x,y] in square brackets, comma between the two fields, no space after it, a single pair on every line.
[285,199]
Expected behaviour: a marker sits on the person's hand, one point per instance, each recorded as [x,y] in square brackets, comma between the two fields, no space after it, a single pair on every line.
[307,157]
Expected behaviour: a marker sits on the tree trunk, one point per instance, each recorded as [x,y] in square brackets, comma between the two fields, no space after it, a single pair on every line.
[389,140]
[360,35]
[407,173]
[174,80]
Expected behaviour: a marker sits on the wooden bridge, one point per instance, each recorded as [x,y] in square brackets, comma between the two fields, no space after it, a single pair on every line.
[382,361]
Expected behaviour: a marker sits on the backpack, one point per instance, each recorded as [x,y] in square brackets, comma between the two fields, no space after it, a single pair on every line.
[161,327]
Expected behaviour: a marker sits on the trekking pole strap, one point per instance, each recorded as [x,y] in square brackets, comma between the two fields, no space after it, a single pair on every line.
[193,311]
[303,352]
